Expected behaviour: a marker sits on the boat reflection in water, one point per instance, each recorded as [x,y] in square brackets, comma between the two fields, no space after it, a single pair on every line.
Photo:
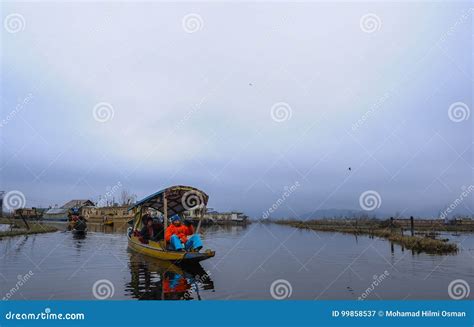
[153,279]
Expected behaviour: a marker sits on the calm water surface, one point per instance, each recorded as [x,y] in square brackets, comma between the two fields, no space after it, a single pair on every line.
[317,265]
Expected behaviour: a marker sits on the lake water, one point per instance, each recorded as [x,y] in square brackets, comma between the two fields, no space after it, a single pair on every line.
[249,259]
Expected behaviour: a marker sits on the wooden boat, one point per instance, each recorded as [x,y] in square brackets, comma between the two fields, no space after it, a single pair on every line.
[108,223]
[79,226]
[170,201]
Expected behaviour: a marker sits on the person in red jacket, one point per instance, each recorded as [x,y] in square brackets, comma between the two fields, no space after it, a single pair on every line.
[176,236]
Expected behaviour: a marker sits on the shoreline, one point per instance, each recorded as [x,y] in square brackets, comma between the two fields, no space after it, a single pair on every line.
[20,228]
[378,229]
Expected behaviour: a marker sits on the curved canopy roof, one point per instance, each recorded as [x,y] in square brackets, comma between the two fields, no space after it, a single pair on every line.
[179,199]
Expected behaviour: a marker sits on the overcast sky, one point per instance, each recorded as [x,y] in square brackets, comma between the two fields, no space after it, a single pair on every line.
[241,101]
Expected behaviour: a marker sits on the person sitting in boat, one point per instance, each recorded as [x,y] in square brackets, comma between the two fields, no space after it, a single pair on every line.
[159,229]
[80,224]
[148,231]
[145,219]
[153,230]
[176,236]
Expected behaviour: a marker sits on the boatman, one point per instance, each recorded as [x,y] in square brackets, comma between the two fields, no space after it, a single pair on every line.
[153,230]
[80,224]
[177,236]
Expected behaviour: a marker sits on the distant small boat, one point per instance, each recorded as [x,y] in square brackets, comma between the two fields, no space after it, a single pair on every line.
[79,227]
[167,201]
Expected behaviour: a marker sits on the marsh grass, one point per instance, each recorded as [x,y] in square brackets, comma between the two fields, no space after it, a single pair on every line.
[377,228]
[19,228]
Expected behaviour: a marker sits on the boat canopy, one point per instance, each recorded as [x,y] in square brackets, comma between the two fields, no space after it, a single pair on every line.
[174,200]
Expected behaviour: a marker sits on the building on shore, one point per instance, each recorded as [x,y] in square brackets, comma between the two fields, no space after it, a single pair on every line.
[211,216]
[115,214]
[62,213]
[29,213]
[78,204]
[56,214]
[93,214]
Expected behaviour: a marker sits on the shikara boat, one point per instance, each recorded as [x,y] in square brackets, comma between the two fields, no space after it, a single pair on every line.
[170,201]
[78,226]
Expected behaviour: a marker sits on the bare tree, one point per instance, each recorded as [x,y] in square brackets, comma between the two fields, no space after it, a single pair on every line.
[127,198]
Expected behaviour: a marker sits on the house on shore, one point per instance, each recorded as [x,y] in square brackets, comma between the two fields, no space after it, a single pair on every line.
[29,213]
[211,216]
[61,214]
[56,214]
[79,204]
[116,214]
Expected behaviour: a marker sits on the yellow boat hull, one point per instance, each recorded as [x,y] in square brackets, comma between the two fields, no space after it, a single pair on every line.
[157,250]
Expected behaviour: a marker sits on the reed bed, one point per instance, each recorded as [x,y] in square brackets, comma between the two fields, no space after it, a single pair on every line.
[377,228]
[19,228]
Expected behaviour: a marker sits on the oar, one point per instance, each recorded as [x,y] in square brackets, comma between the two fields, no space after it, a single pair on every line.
[199,223]
[198,226]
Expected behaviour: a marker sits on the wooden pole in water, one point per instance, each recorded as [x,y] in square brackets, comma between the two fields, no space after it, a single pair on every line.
[412,226]
[24,220]
[165,211]
[200,221]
